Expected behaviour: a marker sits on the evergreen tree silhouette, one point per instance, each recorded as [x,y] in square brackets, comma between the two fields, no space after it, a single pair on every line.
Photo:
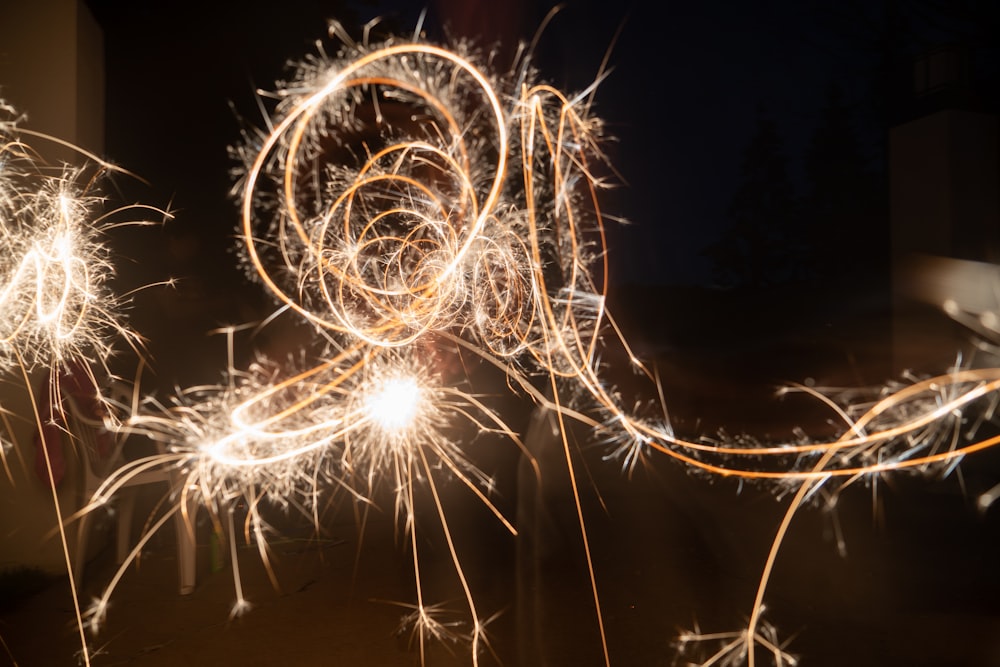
[762,246]
[843,204]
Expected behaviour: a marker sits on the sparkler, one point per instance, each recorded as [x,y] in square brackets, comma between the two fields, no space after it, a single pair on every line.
[54,281]
[425,227]
[56,306]
[402,193]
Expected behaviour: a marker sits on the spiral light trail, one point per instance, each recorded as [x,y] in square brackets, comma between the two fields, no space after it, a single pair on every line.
[404,196]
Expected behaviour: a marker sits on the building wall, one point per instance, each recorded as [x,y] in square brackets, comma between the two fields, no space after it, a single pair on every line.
[944,179]
[52,69]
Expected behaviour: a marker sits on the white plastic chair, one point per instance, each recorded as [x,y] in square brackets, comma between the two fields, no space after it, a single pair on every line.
[96,467]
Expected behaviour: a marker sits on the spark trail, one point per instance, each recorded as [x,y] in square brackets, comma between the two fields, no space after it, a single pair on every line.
[403,197]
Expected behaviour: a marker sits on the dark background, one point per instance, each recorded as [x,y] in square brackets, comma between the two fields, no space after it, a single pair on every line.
[690,84]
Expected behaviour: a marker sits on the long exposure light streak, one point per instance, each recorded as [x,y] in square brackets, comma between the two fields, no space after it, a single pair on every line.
[402,192]
[405,201]
[56,305]
[53,280]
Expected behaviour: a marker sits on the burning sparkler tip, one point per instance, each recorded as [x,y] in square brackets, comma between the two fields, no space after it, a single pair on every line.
[395,403]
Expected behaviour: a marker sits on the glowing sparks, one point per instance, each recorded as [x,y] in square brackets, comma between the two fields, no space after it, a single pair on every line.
[404,197]
[54,273]
[56,307]
[419,211]
[404,200]
[394,404]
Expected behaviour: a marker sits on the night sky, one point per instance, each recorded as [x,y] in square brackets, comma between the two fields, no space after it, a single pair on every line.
[688,83]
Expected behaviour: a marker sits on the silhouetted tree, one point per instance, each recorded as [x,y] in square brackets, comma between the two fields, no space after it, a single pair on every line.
[763,245]
[844,203]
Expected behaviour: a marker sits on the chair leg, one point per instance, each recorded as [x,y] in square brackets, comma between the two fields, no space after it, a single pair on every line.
[186,552]
[126,508]
[80,557]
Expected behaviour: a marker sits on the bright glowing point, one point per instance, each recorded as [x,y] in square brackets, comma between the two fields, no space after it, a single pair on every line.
[395,405]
